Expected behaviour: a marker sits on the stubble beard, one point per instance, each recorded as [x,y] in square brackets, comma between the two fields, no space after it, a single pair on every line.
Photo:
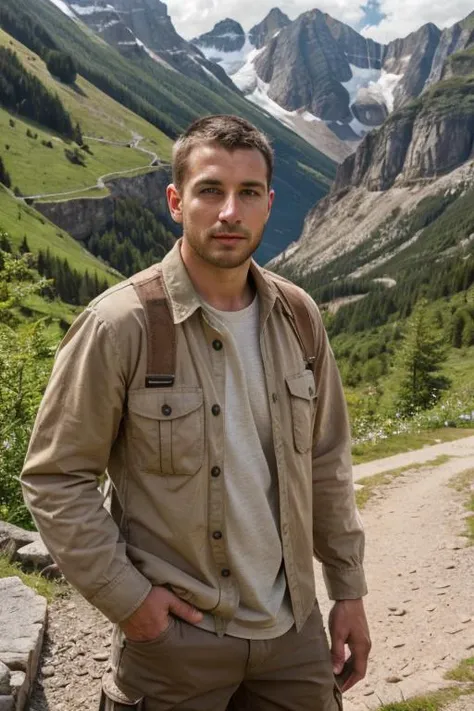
[227,257]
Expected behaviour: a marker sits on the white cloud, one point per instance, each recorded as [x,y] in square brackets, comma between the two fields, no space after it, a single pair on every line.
[405,16]
[193,17]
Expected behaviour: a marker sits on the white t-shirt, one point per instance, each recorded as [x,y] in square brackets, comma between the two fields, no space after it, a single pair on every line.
[252,517]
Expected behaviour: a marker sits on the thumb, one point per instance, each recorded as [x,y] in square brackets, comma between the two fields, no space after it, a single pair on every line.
[185,611]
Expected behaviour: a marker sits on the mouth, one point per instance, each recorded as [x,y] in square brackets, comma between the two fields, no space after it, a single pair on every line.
[228,237]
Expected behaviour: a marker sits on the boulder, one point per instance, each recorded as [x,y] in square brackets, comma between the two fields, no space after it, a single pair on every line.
[22,623]
[12,538]
[34,556]
[5,680]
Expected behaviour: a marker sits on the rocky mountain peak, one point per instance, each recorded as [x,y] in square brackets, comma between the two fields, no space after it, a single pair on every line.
[263,32]
[226,36]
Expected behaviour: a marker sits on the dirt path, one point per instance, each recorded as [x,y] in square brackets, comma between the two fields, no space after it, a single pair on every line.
[100,184]
[421,606]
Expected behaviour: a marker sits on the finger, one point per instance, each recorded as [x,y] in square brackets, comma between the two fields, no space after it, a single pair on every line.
[338,654]
[184,610]
[354,678]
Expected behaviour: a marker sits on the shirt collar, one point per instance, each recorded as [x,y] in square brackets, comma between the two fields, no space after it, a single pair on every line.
[183,298]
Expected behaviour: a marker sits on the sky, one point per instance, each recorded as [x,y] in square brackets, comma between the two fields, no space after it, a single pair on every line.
[383,20]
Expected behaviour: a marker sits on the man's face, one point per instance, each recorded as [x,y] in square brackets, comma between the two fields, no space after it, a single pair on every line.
[223,204]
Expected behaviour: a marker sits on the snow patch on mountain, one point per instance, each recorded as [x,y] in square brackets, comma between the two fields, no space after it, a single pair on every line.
[91,9]
[64,8]
[377,82]
[231,62]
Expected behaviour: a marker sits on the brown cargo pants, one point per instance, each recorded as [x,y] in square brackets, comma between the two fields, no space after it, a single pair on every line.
[189,669]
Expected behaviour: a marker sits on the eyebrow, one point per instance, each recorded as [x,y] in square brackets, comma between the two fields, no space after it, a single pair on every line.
[245,183]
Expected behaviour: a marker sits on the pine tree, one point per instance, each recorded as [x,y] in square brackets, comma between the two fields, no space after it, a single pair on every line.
[421,355]
[24,246]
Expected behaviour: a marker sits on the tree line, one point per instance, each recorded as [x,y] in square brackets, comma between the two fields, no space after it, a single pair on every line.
[136,240]
[67,283]
[23,93]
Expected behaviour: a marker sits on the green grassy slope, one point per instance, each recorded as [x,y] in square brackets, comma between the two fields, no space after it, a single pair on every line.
[19,220]
[98,114]
[172,101]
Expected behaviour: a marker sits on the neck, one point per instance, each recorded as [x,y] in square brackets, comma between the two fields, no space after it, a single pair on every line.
[224,289]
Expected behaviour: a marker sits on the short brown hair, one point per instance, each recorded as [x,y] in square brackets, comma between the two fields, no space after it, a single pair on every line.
[230,132]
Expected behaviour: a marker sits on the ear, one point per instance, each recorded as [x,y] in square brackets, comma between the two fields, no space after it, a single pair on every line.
[174,203]
[271,197]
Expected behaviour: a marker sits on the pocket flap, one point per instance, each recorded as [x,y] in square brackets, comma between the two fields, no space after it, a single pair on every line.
[302,385]
[165,404]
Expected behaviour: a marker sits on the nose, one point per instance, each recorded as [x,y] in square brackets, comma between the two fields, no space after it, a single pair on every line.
[229,211]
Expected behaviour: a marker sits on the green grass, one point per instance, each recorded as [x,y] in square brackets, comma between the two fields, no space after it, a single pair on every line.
[373,483]
[397,444]
[50,589]
[98,114]
[36,169]
[464,484]
[18,220]
[463,672]
[430,702]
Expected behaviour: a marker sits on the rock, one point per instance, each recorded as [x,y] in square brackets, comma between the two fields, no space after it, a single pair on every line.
[431,609]
[5,685]
[305,66]
[393,679]
[398,643]
[465,620]
[7,703]
[442,586]
[226,36]
[100,656]
[399,613]
[12,538]
[34,556]
[48,671]
[22,623]
[262,33]
[369,692]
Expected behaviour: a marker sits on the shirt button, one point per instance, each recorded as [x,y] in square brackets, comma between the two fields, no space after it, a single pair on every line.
[215,471]
[217,345]
[216,410]
[217,535]
[166,410]
[311,391]
[274,397]
[225,573]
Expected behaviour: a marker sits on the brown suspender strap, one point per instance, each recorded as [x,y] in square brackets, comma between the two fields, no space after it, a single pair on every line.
[302,321]
[161,334]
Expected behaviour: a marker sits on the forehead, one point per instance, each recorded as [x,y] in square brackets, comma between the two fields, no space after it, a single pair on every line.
[213,161]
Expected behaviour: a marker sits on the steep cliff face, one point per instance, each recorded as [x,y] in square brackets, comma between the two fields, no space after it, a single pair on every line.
[264,31]
[452,41]
[305,67]
[81,218]
[431,136]
[360,51]
[412,57]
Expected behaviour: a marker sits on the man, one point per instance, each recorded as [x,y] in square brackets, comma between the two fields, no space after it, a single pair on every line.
[227,479]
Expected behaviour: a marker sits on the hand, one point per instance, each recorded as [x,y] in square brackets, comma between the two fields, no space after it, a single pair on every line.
[152,617]
[348,625]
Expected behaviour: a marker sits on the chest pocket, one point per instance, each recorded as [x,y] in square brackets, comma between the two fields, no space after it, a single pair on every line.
[166,429]
[302,391]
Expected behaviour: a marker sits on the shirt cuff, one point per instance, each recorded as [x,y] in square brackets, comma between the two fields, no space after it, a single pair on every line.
[345,583]
[123,595]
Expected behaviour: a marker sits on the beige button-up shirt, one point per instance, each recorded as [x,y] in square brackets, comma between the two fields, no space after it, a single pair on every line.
[163,449]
